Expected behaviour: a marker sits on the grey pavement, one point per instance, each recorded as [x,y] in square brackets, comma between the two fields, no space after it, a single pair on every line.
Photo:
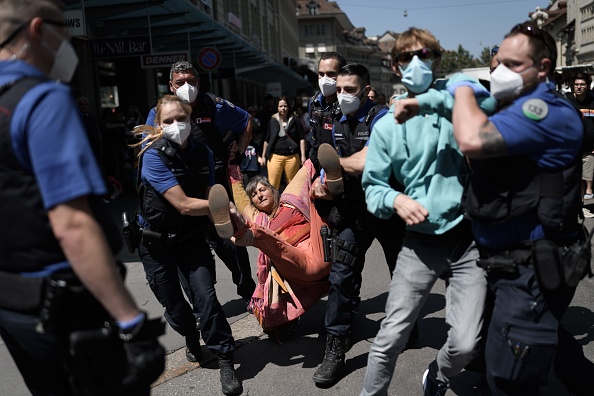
[269,366]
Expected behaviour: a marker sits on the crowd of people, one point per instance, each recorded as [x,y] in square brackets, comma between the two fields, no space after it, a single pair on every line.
[481,185]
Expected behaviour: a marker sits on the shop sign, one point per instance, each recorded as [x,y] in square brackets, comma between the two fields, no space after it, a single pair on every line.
[162,60]
[122,46]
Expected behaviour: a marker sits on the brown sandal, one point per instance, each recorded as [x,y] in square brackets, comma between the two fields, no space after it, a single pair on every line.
[330,162]
[218,203]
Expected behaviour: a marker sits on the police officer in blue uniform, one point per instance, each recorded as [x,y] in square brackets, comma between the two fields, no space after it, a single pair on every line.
[58,279]
[353,226]
[213,117]
[323,106]
[524,201]
[176,174]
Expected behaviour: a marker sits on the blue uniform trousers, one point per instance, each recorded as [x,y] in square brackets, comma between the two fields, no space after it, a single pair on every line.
[44,361]
[195,263]
[236,259]
[526,339]
[345,274]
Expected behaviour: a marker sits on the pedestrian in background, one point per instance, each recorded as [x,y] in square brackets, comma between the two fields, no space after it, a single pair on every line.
[583,100]
[283,151]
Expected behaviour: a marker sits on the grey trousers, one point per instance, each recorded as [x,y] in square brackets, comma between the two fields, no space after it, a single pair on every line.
[422,260]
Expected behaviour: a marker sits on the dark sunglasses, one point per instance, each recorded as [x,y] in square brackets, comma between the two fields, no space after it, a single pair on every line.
[423,54]
[494,50]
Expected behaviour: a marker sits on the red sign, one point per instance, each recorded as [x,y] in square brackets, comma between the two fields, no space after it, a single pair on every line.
[209,58]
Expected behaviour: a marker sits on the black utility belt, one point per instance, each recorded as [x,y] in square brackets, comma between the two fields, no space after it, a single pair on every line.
[47,296]
[153,238]
[555,266]
[18,294]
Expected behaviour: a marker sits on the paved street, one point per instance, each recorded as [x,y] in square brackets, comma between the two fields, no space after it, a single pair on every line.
[270,369]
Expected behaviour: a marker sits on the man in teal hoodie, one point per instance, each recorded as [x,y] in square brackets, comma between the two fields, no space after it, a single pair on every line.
[420,150]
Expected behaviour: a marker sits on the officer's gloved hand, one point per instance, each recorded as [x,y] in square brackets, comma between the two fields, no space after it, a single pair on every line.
[146,356]
[478,89]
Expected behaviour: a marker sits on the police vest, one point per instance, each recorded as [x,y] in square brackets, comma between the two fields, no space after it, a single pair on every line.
[321,120]
[204,130]
[504,188]
[349,142]
[191,169]
[27,242]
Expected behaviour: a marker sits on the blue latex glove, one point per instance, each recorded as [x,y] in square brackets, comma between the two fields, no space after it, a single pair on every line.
[478,89]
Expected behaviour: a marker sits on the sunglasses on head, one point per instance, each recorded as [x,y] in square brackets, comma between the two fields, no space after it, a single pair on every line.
[531,30]
[423,54]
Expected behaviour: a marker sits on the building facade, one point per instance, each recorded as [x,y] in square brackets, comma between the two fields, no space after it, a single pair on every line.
[239,47]
[324,27]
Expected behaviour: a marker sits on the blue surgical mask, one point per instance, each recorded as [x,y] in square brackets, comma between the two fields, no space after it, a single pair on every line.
[417,76]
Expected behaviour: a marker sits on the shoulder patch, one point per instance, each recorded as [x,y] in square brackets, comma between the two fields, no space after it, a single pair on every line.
[535,109]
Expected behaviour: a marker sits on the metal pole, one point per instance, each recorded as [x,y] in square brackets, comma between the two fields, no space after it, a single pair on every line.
[148,16]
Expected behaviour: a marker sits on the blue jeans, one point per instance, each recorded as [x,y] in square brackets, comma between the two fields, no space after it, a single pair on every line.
[195,263]
[423,259]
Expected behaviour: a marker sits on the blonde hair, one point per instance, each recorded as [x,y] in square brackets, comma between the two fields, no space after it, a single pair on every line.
[154,133]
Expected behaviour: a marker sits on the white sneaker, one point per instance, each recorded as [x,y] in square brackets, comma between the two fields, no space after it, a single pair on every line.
[587,213]
[432,388]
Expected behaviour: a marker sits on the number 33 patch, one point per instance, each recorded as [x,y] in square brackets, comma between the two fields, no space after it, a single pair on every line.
[535,109]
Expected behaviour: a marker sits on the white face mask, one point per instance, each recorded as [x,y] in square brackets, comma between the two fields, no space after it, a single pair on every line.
[349,103]
[177,132]
[327,86]
[505,83]
[187,93]
[65,62]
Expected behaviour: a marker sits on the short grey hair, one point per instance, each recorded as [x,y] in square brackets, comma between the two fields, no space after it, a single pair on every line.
[252,185]
[182,66]
[15,12]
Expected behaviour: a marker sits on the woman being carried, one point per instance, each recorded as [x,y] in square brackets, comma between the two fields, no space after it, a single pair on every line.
[292,274]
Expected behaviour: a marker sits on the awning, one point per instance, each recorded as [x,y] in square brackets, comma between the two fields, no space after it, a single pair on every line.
[180,25]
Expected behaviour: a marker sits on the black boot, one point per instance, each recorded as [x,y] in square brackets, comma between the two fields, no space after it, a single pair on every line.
[193,349]
[333,364]
[230,384]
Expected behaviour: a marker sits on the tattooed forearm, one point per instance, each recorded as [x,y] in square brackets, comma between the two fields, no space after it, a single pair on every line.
[492,141]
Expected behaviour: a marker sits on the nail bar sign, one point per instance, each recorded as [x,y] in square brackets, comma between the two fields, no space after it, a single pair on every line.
[122,46]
